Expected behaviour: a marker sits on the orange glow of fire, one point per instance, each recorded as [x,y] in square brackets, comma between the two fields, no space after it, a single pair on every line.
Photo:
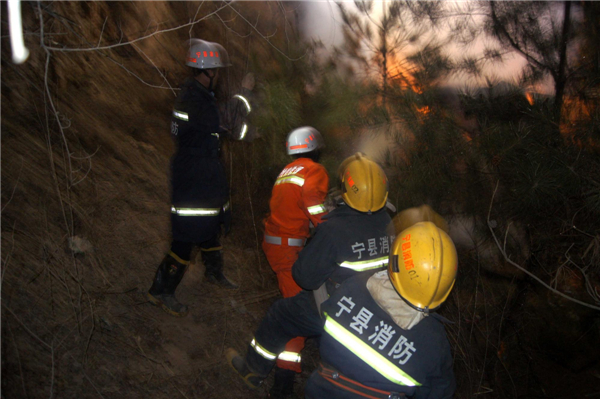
[417,89]
[424,110]
[529,97]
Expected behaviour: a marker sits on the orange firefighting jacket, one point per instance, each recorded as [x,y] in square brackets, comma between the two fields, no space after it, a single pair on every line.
[297,199]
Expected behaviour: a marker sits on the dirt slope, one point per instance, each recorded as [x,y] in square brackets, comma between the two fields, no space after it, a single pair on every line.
[75,323]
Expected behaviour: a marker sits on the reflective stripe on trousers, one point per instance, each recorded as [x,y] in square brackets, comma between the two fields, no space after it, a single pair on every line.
[262,351]
[292,242]
[290,357]
[285,355]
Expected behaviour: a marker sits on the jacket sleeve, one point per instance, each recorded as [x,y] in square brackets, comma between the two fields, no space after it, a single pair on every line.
[314,192]
[317,261]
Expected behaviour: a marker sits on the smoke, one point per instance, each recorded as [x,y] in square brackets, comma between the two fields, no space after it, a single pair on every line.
[376,144]
[322,22]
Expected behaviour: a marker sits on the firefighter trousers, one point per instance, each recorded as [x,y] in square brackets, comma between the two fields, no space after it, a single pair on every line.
[281,259]
[287,318]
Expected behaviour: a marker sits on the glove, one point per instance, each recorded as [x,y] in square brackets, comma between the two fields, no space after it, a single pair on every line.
[248,81]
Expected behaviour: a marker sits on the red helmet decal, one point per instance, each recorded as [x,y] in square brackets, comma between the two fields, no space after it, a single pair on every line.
[211,53]
[350,181]
[205,53]
[407,253]
[294,147]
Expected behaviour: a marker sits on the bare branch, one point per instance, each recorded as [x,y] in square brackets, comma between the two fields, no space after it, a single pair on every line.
[102,32]
[154,65]
[195,15]
[536,278]
[265,38]
[66,49]
[138,77]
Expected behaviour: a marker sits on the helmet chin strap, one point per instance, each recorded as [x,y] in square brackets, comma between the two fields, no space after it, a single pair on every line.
[210,82]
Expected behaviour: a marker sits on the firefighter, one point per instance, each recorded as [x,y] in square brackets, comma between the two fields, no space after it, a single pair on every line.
[352,240]
[297,202]
[381,338]
[199,188]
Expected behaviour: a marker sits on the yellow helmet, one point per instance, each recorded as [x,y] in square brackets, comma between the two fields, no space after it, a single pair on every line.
[423,265]
[423,213]
[364,184]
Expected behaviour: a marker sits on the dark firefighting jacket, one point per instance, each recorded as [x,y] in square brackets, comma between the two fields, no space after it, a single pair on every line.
[363,343]
[347,243]
[199,187]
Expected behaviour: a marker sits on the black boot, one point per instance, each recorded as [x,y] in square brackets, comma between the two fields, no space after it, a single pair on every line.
[167,278]
[213,262]
[283,385]
[239,364]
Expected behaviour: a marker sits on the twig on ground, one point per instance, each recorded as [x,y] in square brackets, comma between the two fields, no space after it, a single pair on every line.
[26,328]
[137,340]
[179,390]
[87,345]
[12,336]
[89,379]
[224,336]
[52,370]
[6,260]
[69,333]
[15,187]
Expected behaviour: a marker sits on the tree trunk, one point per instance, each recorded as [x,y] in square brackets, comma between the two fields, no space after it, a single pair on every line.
[561,75]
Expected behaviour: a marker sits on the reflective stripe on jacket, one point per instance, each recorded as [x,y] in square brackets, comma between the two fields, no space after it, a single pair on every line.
[365,344]
[350,242]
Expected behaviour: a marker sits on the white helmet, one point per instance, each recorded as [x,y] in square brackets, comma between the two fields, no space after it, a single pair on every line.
[206,55]
[303,139]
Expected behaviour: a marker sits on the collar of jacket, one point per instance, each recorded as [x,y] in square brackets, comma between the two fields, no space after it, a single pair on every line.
[345,211]
[195,85]
[381,289]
